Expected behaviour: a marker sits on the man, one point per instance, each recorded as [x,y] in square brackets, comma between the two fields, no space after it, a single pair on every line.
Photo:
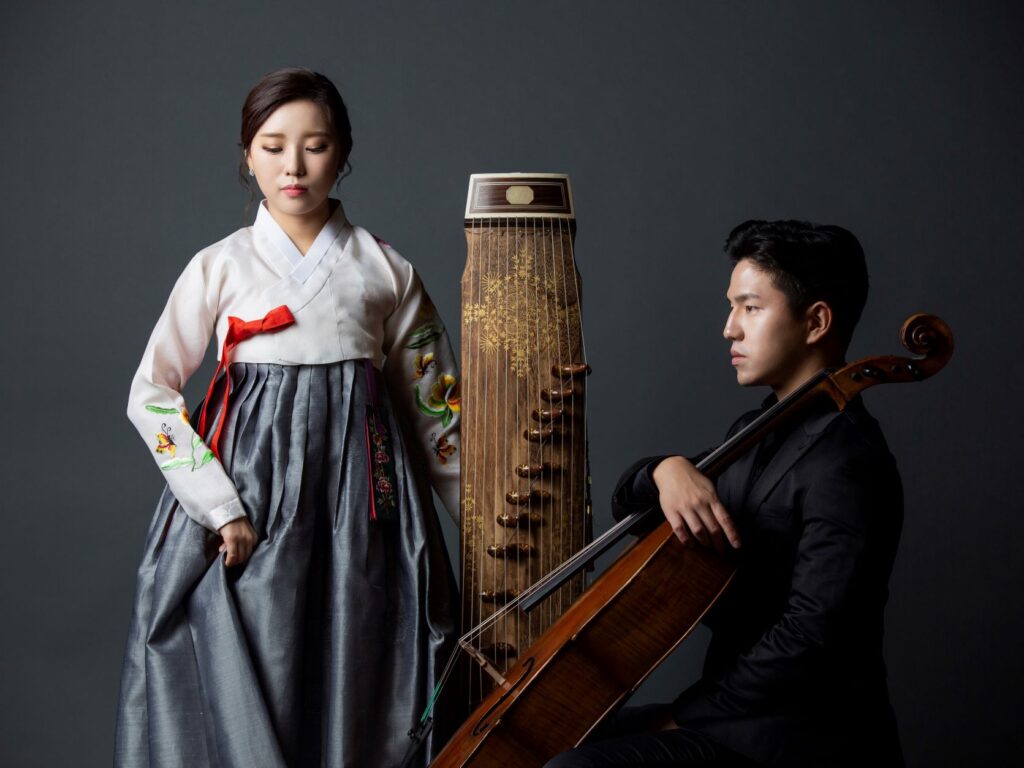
[794,673]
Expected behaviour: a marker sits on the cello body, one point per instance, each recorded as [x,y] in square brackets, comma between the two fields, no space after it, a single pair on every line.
[594,656]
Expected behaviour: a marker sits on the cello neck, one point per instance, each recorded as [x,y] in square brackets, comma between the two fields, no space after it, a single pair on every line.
[783,412]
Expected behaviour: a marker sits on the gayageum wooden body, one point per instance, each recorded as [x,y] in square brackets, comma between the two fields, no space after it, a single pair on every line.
[523,434]
[648,600]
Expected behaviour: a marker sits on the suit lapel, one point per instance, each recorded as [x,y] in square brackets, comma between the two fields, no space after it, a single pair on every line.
[732,484]
[799,441]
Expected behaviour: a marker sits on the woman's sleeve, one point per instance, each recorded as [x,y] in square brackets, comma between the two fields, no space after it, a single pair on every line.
[423,378]
[157,408]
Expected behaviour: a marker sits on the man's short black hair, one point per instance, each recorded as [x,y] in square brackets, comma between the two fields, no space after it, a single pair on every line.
[808,263]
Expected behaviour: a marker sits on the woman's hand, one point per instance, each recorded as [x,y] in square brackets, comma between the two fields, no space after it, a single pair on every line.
[691,505]
[239,540]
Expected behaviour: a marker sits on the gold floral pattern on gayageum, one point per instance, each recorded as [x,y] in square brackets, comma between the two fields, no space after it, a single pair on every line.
[525,312]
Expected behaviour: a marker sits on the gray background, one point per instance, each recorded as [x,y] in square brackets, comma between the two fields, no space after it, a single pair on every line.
[676,120]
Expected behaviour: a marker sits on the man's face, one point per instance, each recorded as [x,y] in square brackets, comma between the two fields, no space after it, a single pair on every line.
[769,343]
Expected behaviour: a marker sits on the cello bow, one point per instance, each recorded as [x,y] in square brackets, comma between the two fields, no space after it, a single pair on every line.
[597,654]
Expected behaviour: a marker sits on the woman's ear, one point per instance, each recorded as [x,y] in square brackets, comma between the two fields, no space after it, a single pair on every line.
[819,321]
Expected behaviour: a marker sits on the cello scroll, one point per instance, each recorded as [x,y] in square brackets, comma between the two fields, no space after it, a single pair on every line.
[926,336]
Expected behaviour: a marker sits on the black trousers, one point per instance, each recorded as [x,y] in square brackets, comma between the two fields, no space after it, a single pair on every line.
[625,740]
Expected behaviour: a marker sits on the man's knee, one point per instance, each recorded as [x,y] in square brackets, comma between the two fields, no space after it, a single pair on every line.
[570,759]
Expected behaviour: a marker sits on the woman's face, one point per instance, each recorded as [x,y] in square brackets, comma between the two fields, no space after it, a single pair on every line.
[295,159]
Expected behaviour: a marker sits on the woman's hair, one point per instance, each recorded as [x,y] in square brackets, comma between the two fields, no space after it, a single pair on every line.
[294,84]
[808,263]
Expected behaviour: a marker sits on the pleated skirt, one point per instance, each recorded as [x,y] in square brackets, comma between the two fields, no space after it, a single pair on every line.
[324,648]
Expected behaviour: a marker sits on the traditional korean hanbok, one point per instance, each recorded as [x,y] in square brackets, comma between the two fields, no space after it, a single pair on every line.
[339,410]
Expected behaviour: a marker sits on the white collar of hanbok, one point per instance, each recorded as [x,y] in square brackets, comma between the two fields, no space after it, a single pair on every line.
[301,267]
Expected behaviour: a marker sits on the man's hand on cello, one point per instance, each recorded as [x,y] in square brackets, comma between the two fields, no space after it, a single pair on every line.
[691,505]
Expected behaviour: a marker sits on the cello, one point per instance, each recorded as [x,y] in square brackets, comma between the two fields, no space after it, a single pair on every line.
[597,647]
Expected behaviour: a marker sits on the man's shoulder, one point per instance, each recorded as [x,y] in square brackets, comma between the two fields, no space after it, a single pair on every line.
[853,442]
[857,427]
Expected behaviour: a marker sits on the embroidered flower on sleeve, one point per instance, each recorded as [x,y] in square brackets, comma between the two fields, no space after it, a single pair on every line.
[444,400]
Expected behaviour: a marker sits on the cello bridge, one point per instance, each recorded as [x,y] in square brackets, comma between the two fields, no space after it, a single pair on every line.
[485,664]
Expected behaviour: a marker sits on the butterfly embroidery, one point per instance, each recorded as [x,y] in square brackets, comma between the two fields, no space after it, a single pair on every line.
[422,364]
[442,448]
[165,441]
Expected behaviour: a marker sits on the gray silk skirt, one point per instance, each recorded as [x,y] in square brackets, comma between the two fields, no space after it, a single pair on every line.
[325,647]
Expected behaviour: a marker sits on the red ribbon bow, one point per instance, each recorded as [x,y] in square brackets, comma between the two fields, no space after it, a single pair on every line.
[238,331]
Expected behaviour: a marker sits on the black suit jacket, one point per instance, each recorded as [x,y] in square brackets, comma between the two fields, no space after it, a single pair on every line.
[794,673]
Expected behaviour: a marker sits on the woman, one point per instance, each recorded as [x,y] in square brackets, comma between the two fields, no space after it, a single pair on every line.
[294,602]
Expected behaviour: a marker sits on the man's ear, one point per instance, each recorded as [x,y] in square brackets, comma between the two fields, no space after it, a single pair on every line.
[818,319]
